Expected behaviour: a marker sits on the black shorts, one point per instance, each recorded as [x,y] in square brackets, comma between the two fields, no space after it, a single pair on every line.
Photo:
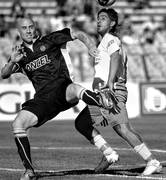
[50,102]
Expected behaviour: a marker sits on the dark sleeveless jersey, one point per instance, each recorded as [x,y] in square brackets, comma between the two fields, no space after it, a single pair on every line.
[45,64]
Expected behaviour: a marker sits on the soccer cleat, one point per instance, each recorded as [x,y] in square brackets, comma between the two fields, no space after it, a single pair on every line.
[28,175]
[106,162]
[153,166]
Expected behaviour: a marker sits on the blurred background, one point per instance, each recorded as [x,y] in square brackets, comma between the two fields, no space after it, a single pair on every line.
[143,32]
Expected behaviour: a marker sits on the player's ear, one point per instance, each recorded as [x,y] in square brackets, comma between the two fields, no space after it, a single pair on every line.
[18,32]
[112,24]
[37,33]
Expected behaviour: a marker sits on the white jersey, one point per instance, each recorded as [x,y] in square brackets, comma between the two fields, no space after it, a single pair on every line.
[108,45]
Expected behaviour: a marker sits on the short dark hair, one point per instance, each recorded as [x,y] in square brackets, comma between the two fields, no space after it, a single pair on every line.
[113,15]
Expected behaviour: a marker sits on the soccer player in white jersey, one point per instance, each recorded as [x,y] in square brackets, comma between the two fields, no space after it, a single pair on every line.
[110,72]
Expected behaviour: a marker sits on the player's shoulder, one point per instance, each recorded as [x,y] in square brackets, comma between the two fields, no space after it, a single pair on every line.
[110,36]
[58,37]
[110,39]
[64,30]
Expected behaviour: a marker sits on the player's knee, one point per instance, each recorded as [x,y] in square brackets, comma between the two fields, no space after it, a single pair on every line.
[73,92]
[124,130]
[77,89]
[19,124]
[24,121]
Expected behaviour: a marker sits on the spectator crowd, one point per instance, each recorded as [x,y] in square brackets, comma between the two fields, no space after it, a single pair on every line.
[144,42]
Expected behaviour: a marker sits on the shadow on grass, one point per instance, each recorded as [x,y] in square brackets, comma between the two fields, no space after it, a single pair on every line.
[132,171]
[116,171]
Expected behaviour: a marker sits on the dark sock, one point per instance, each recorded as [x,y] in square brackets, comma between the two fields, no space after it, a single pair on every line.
[91,98]
[24,151]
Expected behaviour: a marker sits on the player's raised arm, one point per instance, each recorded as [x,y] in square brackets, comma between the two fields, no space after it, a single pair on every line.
[87,40]
[11,66]
[115,64]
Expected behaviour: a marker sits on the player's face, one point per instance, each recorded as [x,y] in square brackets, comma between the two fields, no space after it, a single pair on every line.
[26,29]
[103,23]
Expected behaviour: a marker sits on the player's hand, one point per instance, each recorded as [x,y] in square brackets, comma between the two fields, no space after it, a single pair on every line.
[109,86]
[116,108]
[17,53]
[113,99]
[94,52]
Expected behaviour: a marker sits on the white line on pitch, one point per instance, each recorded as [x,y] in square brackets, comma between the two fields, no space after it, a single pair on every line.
[77,148]
[134,177]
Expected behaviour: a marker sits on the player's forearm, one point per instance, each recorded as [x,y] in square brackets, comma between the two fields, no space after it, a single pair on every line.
[83,37]
[6,71]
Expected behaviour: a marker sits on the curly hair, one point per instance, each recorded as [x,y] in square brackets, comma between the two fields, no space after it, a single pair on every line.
[113,15]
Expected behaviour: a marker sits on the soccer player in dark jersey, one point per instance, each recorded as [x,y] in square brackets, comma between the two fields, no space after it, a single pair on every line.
[113,61]
[41,60]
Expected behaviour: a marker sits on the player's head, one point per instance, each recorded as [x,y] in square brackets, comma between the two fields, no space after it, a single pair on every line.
[107,21]
[27,29]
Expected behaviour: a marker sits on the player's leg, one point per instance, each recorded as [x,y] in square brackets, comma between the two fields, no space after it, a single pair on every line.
[21,124]
[84,124]
[125,131]
[135,141]
[75,92]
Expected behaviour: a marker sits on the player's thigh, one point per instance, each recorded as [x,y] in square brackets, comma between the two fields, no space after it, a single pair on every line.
[25,119]
[96,115]
[72,92]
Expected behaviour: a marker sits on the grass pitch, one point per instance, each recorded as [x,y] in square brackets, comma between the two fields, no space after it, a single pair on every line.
[60,152]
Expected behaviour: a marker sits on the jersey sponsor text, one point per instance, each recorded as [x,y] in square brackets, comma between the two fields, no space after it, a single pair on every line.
[37,63]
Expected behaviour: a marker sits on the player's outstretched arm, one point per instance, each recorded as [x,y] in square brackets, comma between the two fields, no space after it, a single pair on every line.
[87,40]
[16,55]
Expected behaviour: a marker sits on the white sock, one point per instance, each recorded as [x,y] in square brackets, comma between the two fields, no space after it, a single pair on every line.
[102,145]
[143,151]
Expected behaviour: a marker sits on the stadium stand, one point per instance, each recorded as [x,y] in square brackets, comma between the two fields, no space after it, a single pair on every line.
[35,7]
[156,8]
[144,33]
